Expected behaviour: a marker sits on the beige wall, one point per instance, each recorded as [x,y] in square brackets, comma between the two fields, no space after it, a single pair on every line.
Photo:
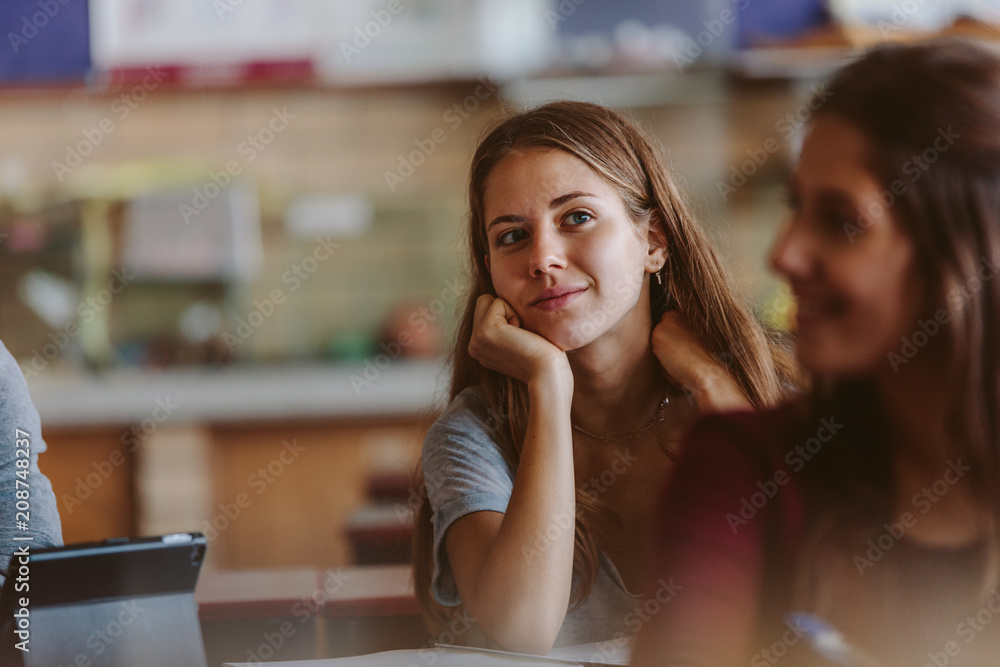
[345,141]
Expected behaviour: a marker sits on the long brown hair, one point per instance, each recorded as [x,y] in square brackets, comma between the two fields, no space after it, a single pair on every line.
[930,111]
[693,281]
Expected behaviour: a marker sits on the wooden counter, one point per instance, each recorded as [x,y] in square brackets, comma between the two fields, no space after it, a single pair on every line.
[269,464]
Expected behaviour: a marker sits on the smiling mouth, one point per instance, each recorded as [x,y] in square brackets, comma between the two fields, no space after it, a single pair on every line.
[812,311]
[557,299]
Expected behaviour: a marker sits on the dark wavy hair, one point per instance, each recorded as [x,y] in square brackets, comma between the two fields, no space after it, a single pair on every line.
[903,99]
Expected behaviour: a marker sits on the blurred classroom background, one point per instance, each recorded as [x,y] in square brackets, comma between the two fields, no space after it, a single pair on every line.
[231,230]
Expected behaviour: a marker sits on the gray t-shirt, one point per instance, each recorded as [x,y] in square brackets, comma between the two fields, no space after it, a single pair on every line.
[465,473]
[18,412]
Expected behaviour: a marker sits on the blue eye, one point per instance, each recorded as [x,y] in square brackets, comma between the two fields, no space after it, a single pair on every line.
[579,217]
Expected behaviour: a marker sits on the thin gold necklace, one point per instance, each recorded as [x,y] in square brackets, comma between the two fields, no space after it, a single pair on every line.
[657,418]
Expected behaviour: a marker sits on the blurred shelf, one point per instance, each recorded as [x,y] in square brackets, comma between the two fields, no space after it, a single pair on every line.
[791,62]
[705,86]
[233,394]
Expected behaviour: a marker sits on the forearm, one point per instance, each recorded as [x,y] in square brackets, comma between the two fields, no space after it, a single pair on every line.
[523,586]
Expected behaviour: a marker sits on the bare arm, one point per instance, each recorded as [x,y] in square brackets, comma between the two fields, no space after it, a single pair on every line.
[514,570]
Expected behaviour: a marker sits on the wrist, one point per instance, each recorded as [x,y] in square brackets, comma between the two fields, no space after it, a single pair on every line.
[715,390]
[553,379]
[708,377]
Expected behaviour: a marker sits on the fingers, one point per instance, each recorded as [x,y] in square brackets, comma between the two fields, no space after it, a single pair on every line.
[499,343]
[488,319]
[483,304]
[507,312]
[491,310]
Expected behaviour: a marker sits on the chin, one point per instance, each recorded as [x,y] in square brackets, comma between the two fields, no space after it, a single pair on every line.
[566,341]
[566,336]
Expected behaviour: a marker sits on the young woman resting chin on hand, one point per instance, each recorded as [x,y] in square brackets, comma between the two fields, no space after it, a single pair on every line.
[594,332]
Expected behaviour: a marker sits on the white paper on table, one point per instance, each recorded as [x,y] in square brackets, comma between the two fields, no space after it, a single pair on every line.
[600,653]
[613,652]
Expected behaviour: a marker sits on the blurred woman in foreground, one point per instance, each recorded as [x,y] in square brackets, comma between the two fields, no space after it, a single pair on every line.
[874,503]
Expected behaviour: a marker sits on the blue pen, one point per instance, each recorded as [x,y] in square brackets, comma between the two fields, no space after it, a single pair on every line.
[827,641]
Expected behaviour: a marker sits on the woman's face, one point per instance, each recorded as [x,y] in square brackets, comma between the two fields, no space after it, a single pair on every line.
[563,250]
[847,259]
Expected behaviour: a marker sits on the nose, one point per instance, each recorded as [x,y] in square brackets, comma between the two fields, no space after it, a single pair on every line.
[548,252]
[790,256]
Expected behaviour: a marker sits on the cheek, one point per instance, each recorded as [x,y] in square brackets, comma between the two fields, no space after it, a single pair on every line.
[507,287]
[627,287]
[903,311]
[887,307]
[499,276]
[624,277]
[622,257]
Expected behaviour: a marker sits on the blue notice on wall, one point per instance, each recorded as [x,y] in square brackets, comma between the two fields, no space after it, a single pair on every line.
[44,41]
[768,21]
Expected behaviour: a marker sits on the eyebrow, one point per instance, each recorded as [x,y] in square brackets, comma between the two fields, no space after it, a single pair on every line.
[827,195]
[837,197]
[555,203]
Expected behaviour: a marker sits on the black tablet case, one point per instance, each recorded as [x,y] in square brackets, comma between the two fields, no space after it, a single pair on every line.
[115,603]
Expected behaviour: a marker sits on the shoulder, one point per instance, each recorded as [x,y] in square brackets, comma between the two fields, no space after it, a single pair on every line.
[16,408]
[470,411]
[467,434]
[11,379]
[468,415]
[469,405]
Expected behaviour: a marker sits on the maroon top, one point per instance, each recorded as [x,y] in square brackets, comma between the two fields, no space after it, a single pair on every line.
[739,533]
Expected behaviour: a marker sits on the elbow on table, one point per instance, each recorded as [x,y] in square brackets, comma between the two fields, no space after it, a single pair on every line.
[535,643]
[523,633]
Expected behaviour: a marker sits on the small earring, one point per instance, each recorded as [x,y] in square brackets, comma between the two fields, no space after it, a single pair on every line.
[659,278]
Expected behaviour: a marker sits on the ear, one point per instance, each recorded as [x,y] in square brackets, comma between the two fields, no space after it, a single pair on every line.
[656,237]
[486,257]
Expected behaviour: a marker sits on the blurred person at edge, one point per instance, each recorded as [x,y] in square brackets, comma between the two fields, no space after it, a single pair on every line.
[572,379]
[27,503]
[874,501]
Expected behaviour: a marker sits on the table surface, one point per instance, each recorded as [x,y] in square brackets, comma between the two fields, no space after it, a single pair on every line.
[613,652]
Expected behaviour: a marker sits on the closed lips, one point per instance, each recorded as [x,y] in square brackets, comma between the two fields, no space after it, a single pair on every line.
[555,293]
